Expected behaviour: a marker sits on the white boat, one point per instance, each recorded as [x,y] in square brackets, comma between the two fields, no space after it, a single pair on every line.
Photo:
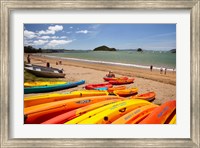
[47,72]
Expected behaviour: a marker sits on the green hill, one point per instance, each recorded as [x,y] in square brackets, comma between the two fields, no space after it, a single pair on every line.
[173,50]
[104,48]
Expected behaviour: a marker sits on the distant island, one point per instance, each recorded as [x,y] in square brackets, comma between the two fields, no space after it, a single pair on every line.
[173,50]
[139,50]
[104,48]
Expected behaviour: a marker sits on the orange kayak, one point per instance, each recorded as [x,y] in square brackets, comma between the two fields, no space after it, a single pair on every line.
[48,110]
[114,78]
[126,92]
[170,117]
[40,99]
[150,96]
[60,119]
[160,114]
[121,81]
[134,114]
[110,90]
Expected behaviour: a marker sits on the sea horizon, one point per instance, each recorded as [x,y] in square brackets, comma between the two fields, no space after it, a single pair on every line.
[122,58]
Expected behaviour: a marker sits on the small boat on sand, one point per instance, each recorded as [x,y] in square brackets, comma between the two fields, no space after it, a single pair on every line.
[46,72]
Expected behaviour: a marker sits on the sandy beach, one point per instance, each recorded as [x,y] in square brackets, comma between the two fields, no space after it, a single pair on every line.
[145,80]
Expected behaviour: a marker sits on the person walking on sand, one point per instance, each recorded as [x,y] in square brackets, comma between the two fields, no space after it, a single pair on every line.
[28,59]
[48,64]
[151,67]
[161,70]
[165,71]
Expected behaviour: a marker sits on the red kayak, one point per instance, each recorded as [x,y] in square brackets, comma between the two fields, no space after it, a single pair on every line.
[121,81]
[95,86]
[114,78]
[160,114]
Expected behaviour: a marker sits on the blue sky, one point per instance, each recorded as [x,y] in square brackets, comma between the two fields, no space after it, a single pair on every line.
[90,36]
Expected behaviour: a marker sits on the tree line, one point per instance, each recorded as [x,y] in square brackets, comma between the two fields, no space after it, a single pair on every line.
[30,49]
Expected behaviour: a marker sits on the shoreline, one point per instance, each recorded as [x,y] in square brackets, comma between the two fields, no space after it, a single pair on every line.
[163,85]
[169,78]
[106,62]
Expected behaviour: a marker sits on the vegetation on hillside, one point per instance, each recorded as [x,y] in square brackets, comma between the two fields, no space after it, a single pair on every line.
[104,48]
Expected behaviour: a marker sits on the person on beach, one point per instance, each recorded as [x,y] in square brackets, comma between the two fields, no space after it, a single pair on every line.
[165,71]
[110,74]
[151,67]
[28,59]
[161,70]
[48,64]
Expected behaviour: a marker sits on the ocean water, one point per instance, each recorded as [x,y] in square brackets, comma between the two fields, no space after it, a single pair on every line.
[127,58]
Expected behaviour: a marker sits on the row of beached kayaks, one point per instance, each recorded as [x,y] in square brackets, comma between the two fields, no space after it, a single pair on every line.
[40,87]
[112,105]
[97,107]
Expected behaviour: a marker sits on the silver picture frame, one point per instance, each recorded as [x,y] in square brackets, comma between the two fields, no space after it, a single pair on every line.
[7,6]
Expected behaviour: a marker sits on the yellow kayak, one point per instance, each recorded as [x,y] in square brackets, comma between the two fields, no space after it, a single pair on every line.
[40,99]
[94,112]
[41,83]
[109,115]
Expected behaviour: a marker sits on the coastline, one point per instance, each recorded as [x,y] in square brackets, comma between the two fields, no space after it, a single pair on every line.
[163,85]
[105,62]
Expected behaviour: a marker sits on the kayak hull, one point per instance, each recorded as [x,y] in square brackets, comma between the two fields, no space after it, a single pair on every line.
[160,114]
[41,89]
[41,99]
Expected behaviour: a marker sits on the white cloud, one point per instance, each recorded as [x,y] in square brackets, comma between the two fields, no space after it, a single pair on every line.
[39,42]
[63,37]
[54,37]
[28,42]
[29,34]
[56,28]
[54,43]
[44,37]
[51,30]
[83,31]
